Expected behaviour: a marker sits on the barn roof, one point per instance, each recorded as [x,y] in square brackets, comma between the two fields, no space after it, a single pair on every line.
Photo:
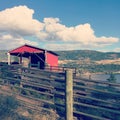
[29,49]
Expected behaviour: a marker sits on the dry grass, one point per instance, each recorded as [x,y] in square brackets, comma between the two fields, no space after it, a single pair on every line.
[115,61]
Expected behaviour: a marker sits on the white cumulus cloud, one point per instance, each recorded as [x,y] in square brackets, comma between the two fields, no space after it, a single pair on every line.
[19,20]
[16,23]
[8,41]
[116,50]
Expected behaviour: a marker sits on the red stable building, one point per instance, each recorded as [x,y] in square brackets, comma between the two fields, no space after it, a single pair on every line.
[34,56]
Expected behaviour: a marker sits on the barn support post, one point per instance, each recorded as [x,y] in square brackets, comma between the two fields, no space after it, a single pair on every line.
[9,58]
[20,60]
[45,56]
[38,64]
[29,63]
[69,95]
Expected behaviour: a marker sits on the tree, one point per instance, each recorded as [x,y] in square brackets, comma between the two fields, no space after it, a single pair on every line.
[112,78]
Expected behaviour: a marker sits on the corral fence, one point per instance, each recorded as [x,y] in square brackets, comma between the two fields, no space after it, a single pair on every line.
[69,96]
[54,68]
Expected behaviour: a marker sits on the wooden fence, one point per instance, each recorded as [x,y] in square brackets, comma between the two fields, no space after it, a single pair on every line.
[54,68]
[69,96]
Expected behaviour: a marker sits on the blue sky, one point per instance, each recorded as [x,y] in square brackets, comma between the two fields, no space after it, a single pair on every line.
[61,24]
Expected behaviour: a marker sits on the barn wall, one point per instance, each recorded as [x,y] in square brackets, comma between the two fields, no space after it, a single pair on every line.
[52,59]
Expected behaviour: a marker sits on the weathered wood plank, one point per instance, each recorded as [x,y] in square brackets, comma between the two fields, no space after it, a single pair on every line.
[69,95]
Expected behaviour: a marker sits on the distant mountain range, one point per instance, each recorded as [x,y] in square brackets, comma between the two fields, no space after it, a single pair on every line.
[84,54]
[89,61]
[3,55]
[76,55]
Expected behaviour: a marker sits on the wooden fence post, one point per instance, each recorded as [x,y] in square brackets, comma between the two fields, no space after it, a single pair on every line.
[69,95]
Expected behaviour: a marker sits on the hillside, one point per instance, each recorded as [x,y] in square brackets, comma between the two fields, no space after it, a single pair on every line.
[83,54]
[76,55]
[88,61]
[85,60]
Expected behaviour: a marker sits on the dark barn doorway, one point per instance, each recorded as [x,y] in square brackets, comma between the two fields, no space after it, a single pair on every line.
[38,58]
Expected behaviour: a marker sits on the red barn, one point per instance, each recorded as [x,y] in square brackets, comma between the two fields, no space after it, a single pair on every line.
[34,55]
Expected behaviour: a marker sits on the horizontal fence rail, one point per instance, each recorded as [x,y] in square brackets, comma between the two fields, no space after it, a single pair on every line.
[48,90]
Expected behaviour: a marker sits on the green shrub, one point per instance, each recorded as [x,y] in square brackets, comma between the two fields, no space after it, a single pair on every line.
[8,107]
